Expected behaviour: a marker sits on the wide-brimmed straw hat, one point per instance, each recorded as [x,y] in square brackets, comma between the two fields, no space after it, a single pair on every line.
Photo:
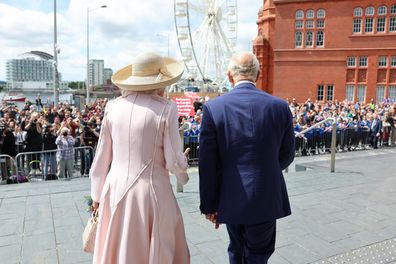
[148,71]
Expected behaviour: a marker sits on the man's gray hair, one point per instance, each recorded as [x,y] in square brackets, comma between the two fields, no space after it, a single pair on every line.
[249,68]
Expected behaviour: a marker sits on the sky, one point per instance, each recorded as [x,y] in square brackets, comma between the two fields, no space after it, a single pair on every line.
[117,33]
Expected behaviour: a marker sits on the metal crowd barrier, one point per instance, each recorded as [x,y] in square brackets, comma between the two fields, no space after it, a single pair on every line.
[318,141]
[46,165]
[192,142]
[315,140]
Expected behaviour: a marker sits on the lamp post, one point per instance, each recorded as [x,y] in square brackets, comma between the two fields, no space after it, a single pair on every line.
[55,72]
[87,81]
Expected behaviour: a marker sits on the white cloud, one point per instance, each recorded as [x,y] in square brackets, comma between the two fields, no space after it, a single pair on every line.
[117,33]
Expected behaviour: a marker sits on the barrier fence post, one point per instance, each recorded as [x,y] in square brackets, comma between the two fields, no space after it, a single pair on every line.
[333,146]
[179,187]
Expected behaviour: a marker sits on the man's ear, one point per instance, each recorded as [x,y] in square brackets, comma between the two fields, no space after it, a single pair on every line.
[258,75]
[230,78]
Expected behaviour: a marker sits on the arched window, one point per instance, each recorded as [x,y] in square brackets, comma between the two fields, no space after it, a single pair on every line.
[321,13]
[320,38]
[358,12]
[370,11]
[309,39]
[299,39]
[310,14]
[382,10]
[299,14]
[393,10]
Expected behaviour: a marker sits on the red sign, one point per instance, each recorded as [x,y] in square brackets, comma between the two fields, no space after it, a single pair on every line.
[191,95]
[185,106]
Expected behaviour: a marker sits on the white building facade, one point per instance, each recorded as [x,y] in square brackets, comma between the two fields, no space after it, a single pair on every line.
[31,71]
[95,72]
[107,73]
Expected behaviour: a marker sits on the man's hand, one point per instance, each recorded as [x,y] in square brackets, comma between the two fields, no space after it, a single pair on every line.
[213,218]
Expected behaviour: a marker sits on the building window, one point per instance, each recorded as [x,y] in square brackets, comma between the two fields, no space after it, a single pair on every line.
[299,24]
[320,23]
[382,61]
[357,25]
[309,24]
[392,24]
[380,97]
[299,39]
[305,29]
[299,14]
[309,39]
[381,22]
[310,14]
[368,25]
[370,11]
[382,10]
[358,12]
[330,92]
[350,93]
[393,61]
[321,13]
[361,93]
[320,93]
[363,62]
[393,10]
[392,93]
[320,39]
[351,62]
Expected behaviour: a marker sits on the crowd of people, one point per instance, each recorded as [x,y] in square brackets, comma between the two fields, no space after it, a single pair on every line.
[53,130]
[37,127]
[368,124]
[358,125]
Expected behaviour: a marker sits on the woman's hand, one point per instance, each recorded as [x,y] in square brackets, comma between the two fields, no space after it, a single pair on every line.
[186,152]
[94,206]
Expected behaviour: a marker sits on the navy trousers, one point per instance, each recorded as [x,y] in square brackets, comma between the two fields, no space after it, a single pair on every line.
[251,244]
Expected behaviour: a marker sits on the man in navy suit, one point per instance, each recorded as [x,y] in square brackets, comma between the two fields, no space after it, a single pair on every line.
[375,130]
[246,141]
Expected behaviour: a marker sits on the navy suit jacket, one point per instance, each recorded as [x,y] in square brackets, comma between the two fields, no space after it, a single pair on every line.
[377,128]
[246,140]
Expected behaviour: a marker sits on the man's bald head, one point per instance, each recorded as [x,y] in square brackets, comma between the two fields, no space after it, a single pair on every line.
[243,66]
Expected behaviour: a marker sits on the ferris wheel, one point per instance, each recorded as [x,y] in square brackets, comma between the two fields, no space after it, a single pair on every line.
[207,34]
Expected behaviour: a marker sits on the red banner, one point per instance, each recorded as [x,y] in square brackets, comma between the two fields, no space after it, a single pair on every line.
[191,95]
[185,106]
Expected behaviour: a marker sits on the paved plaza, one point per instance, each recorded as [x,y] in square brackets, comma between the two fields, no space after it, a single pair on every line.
[344,217]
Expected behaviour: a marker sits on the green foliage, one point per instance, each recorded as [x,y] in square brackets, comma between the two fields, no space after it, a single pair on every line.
[76,85]
[88,199]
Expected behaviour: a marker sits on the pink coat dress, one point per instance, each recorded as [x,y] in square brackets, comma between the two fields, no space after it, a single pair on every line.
[139,219]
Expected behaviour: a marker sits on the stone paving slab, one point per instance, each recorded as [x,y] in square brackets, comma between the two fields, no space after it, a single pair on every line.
[344,217]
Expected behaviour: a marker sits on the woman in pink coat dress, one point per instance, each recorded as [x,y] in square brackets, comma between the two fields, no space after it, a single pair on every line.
[139,219]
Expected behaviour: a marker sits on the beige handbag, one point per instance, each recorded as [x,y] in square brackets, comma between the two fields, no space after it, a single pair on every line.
[89,234]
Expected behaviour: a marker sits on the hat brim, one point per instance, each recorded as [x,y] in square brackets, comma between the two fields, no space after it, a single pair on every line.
[123,79]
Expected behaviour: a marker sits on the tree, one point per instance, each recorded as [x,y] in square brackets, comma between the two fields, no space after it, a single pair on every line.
[77,85]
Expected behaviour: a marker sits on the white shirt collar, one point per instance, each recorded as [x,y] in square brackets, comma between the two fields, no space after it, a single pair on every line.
[242,82]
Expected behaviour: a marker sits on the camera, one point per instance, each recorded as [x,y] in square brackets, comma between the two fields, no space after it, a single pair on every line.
[86,127]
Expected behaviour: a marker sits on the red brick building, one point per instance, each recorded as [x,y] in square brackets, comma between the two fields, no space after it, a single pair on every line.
[328,49]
